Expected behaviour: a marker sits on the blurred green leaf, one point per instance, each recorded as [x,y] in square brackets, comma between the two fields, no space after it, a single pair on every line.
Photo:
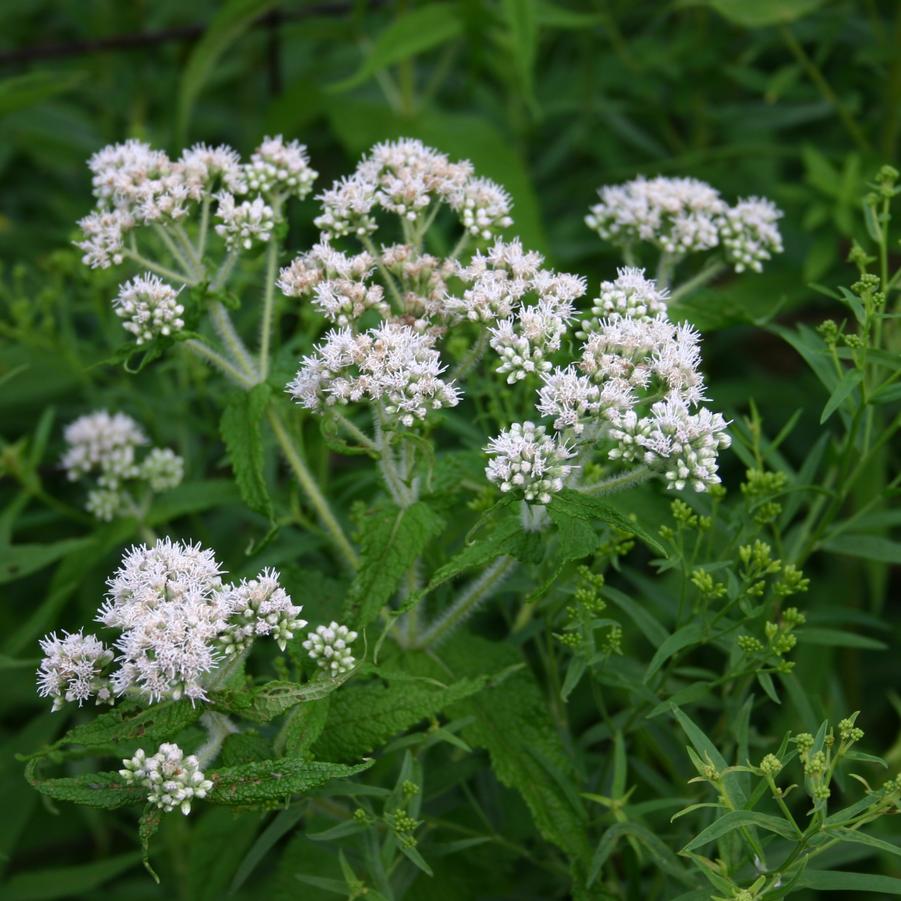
[22,91]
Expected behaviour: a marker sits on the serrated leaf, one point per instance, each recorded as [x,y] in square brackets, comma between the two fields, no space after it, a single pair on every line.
[153,725]
[302,726]
[569,508]
[274,780]
[241,432]
[105,790]
[393,538]
[411,33]
[363,717]
[265,703]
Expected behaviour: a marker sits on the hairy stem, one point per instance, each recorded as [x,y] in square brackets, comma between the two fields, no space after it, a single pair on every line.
[218,728]
[158,268]
[467,601]
[619,482]
[697,281]
[268,305]
[311,489]
[207,353]
[225,329]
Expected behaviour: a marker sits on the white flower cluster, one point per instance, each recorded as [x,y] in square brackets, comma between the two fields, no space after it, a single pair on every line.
[750,234]
[259,607]
[149,308]
[72,669]
[241,225]
[337,283]
[392,365]
[329,646]
[408,179]
[177,622]
[172,780]
[685,215]
[637,386]
[279,168]
[106,445]
[136,185]
[528,308]
[528,460]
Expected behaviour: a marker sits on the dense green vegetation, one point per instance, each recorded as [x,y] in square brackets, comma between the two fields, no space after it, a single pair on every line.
[633,656]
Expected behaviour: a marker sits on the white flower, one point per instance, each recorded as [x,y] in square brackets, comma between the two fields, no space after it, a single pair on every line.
[329,646]
[347,207]
[172,779]
[483,206]
[749,233]
[149,308]
[121,172]
[162,469]
[72,669]
[681,445]
[259,606]
[522,343]
[105,443]
[106,503]
[168,603]
[279,168]
[203,167]
[571,399]
[343,301]
[679,215]
[631,295]
[243,224]
[104,237]
[392,364]
[529,461]
[320,264]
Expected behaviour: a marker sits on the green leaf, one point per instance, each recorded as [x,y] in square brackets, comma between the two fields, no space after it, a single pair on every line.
[521,17]
[67,882]
[834,881]
[573,511]
[274,780]
[152,725]
[148,826]
[229,23]
[105,790]
[868,547]
[660,852]
[759,13]
[838,638]
[363,717]
[241,432]
[681,638]
[22,91]
[302,726]
[393,538]
[192,497]
[20,560]
[411,33]
[265,703]
[737,819]
[849,381]
[706,748]
[861,838]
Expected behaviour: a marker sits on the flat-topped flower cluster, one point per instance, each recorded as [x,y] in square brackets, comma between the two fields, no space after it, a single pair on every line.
[681,216]
[635,387]
[103,448]
[178,622]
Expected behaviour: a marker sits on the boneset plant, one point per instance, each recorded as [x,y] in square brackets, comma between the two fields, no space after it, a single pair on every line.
[509,424]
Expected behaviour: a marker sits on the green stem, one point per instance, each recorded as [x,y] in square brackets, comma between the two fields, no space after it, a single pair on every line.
[311,489]
[466,602]
[158,268]
[697,281]
[225,329]
[204,226]
[366,241]
[218,727]
[207,353]
[619,482]
[268,305]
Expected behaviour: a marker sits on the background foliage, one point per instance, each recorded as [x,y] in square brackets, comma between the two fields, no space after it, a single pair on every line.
[798,100]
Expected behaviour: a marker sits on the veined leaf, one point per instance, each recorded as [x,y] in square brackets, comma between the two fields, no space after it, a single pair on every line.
[105,790]
[363,717]
[392,540]
[241,432]
[274,780]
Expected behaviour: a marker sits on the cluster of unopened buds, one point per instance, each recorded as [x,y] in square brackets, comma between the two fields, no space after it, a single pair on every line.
[178,622]
[103,448]
[171,779]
